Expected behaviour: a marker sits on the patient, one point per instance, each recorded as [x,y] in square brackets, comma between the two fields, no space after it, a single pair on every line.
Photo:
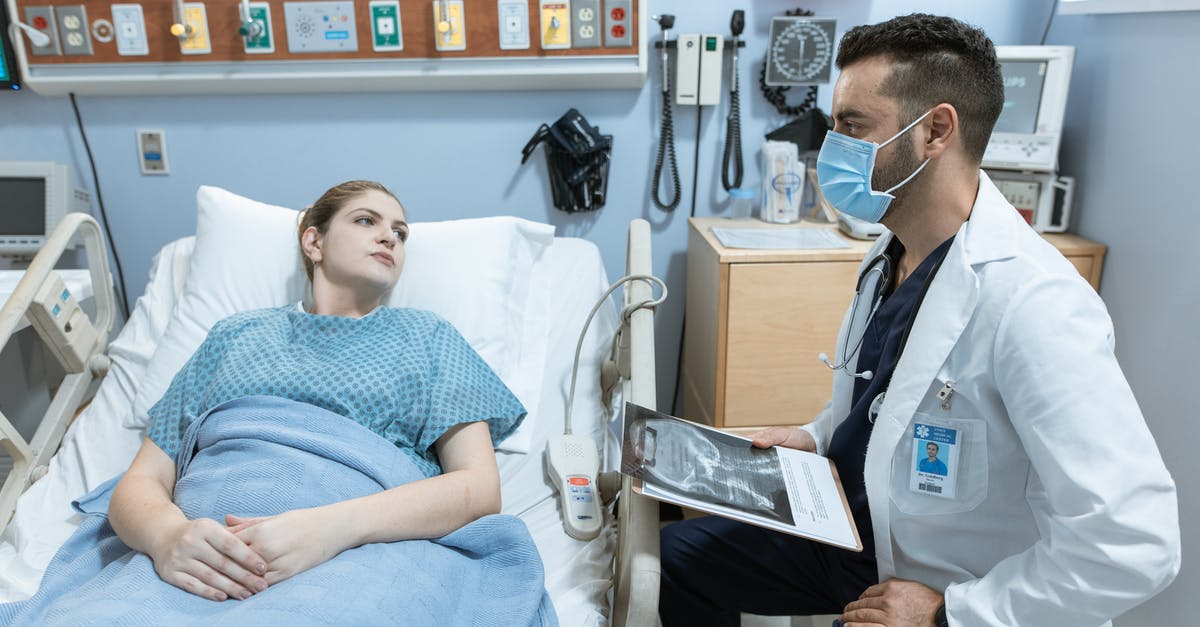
[406,375]
[322,465]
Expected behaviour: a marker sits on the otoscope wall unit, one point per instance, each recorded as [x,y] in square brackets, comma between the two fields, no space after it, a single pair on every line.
[103,47]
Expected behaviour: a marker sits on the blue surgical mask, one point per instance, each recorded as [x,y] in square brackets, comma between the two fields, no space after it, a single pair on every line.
[844,168]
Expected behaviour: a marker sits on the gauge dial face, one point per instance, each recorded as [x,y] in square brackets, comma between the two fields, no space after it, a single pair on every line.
[801,50]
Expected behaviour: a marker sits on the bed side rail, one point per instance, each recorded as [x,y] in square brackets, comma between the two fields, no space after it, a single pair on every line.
[635,592]
[75,341]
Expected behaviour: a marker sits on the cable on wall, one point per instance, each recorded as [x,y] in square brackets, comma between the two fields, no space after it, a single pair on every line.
[1049,21]
[103,214]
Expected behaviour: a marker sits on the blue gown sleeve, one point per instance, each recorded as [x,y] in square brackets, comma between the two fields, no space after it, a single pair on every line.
[180,405]
[463,388]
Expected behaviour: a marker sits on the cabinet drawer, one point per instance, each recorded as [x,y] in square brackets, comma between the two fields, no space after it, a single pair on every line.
[780,316]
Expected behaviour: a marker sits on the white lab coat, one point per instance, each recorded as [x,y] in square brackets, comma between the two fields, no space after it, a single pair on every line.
[1064,513]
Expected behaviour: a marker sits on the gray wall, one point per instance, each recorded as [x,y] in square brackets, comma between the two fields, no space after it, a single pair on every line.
[1130,136]
[1132,141]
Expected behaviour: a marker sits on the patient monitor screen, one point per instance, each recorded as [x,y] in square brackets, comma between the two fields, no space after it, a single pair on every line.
[22,206]
[1023,82]
[3,64]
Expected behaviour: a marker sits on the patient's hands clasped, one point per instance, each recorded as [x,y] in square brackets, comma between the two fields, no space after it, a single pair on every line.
[203,557]
[291,542]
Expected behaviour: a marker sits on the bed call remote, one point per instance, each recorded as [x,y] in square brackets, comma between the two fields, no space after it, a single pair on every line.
[572,463]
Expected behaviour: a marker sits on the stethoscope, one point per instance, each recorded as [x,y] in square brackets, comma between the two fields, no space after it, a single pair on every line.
[881,268]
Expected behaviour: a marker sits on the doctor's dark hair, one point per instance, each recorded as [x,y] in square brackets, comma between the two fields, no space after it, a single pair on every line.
[321,213]
[935,60]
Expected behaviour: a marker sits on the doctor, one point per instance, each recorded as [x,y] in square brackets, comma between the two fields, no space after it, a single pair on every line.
[968,331]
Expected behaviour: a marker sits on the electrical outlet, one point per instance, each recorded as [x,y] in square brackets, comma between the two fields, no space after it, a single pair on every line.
[618,23]
[130,26]
[586,24]
[73,28]
[514,24]
[152,151]
[42,19]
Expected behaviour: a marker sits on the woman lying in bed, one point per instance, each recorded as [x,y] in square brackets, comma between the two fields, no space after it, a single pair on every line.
[312,432]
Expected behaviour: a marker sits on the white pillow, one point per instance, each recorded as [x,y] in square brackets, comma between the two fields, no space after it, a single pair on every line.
[474,273]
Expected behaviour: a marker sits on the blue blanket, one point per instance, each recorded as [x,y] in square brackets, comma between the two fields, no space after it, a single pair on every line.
[259,456]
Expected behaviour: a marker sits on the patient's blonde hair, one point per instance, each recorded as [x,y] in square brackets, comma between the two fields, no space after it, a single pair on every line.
[321,212]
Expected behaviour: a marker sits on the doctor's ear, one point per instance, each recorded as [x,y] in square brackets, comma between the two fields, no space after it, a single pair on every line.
[943,130]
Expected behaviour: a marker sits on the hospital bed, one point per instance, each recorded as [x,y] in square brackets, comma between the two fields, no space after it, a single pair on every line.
[612,579]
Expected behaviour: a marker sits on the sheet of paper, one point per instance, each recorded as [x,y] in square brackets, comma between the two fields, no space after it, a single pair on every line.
[779,239]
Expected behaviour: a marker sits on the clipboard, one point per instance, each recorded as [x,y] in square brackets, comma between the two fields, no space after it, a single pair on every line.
[705,469]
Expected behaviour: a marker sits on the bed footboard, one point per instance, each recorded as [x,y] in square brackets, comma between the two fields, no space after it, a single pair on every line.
[636,580]
[78,347]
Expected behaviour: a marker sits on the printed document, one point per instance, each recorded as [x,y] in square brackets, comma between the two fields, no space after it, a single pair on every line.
[701,468]
[780,239]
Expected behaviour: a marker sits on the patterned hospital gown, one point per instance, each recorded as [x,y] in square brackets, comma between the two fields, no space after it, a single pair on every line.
[405,374]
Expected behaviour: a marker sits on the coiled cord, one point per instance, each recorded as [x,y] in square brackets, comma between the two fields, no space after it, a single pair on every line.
[666,149]
[777,96]
[733,140]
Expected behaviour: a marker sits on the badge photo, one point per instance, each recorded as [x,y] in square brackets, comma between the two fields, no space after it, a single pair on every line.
[934,460]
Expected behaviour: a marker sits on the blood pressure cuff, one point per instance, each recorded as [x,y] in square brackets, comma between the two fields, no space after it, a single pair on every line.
[577,158]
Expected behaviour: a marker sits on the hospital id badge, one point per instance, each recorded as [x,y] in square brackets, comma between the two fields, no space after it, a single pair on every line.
[934,467]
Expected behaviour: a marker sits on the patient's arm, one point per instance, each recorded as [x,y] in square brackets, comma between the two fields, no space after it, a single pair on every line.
[200,556]
[469,488]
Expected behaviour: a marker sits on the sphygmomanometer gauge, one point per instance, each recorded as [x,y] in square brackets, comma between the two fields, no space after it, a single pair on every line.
[801,50]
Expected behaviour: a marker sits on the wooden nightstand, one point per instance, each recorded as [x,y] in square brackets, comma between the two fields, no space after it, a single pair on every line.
[757,319]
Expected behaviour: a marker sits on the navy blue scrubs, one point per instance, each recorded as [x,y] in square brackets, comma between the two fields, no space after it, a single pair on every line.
[714,568]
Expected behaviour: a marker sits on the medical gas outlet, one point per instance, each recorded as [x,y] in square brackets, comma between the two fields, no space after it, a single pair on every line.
[449,21]
[258,36]
[556,24]
[385,26]
[192,28]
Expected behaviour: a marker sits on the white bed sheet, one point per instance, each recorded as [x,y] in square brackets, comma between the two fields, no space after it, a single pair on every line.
[97,446]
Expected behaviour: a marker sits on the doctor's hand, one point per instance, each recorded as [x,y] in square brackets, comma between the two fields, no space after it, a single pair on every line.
[204,558]
[291,542]
[787,437]
[893,603]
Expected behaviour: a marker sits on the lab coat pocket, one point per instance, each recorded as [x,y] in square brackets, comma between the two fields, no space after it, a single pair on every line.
[940,466]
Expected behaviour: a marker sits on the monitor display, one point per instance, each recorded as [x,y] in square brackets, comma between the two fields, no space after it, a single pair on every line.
[22,206]
[4,73]
[8,67]
[1023,84]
